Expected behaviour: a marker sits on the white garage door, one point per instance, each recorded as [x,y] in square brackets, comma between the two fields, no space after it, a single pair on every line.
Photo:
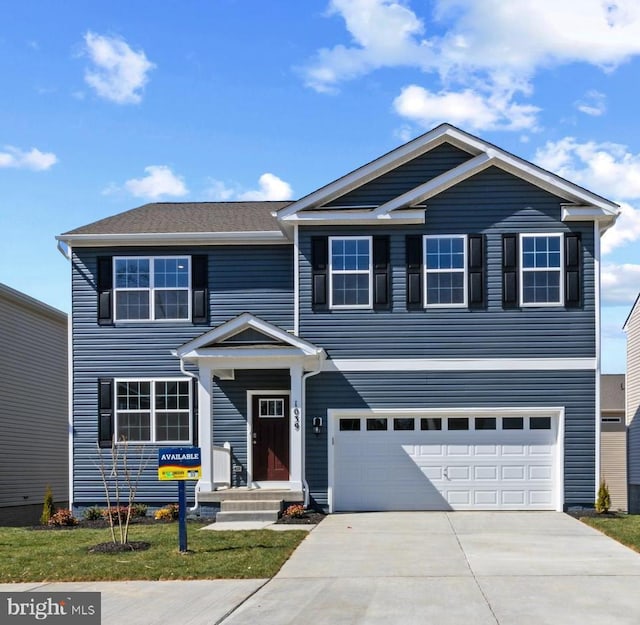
[444,463]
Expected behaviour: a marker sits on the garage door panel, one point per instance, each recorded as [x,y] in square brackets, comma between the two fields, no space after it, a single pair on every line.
[444,469]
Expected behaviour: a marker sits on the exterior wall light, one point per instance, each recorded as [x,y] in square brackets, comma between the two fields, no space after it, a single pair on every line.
[317,425]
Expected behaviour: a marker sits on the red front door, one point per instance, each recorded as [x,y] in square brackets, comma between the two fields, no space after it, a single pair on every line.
[270,425]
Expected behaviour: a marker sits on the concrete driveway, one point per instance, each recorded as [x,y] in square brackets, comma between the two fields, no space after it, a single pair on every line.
[457,568]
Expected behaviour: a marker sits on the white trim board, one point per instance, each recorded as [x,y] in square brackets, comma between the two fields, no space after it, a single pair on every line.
[460,364]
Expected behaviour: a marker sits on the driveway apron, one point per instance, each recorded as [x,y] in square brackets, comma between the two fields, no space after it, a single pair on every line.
[520,568]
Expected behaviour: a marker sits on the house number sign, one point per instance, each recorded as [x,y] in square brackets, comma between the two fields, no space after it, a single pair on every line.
[296,418]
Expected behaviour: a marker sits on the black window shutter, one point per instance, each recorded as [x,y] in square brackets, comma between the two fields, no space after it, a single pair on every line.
[381,273]
[475,266]
[319,269]
[105,412]
[105,290]
[414,260]
[572,266]
[194,411]
[510,270]
[199,289]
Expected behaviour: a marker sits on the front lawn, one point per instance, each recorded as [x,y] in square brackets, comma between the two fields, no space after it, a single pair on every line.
[624,528]
[62,555]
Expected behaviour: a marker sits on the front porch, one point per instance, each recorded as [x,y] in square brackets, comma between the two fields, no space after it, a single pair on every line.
[251,416]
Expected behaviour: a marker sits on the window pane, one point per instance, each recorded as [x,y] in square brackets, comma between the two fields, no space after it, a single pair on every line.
[485,423]
[445,253]
[134,426]
[351,289]
[349,425]
[172,426]
[131,273]
[430,423]
[540,423]
[171,272]
[172,395]
[541,287]
[458,423]
[133,396]
[171,304]
[132,304]
[445,288]
[512,423]
[404,424]
[376,424]
[271,407]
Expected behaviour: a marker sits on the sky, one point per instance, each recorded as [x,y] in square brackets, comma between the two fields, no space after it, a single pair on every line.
[107,106]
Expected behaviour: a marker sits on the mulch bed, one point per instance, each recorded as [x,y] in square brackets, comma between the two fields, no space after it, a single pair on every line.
[111,547]
[309,518]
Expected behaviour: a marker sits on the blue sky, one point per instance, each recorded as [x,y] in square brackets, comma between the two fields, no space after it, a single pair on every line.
[106,106]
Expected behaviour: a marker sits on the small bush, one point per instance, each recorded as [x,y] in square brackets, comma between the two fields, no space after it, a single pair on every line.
[48,508]
[139,510]
[63,517]
[603,501]
[117,513]
[295,511]
[94,513]
[168,513]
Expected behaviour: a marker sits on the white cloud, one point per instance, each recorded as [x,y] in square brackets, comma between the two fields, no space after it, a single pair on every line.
[33,159]
[159,181]
[626,230]
[487,46]
[466,108]
[620,283]
[270,187]
[593,103]
[119,73]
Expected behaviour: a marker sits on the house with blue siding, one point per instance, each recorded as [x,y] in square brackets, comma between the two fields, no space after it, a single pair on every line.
[420,334]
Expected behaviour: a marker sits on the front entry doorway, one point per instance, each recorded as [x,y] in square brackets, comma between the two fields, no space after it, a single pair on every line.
[270,438]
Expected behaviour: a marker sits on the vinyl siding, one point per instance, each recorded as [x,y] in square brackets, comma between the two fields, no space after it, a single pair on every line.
[258,279]
[229,402]
[633,394]
[613,466]
[491,203]
[575,390]
[34,406]
[405,177]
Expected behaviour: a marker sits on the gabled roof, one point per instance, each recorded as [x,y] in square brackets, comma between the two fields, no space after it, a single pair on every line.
[633,309]
[218,338]
[482,156]
[187,221]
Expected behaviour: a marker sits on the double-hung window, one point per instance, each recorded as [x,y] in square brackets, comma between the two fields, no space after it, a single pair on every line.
[541,266]
[445,263]
[350,272]
[152,288]
[153,411]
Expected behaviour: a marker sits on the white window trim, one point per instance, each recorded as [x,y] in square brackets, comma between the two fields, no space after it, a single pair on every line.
[282,415]
[521,269]
[152,410]
[368,271]
[463,270]
[152,289]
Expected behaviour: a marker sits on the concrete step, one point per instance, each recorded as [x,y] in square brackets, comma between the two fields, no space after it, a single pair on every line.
[245,494]
[233,505]
[247,515]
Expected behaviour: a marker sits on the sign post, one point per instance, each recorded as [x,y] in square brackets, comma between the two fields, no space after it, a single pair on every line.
[180,464]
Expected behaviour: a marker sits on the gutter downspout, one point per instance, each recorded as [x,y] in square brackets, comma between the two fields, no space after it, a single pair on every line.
[305,485]
[196,505]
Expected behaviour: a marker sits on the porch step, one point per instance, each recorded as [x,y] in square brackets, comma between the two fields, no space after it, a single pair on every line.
[250,494]
[265,516]
[256,505]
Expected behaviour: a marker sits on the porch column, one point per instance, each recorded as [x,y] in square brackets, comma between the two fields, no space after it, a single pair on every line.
[205,429]
[297,427]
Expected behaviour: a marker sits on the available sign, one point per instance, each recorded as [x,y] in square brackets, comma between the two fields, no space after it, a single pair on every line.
[179,463]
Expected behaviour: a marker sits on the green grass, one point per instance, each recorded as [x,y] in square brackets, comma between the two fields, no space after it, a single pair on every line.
[624,528]
[62,555]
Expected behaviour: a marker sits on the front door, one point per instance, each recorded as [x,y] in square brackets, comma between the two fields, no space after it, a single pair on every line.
[270,432]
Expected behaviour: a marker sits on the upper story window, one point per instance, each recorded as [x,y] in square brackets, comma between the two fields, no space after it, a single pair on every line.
[445,263]
[153,411]
[541,267]
[152,288]
[350,272]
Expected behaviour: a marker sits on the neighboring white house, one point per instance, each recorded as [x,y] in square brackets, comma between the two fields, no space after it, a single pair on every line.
[613,438]
[632,328]
[33,406]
